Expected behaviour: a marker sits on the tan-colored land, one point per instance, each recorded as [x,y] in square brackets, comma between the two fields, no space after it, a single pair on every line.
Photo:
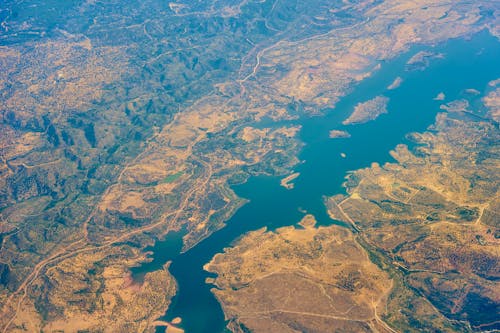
[367,111]
[440,97]
[472,91]
[422,59]
[461,105]
[494,83]
[287,182]
[421,254]
[308,279]
[433,215]
[126,306]
[170,326]
[335,134]
[492,101]
[396,83]
[91,137]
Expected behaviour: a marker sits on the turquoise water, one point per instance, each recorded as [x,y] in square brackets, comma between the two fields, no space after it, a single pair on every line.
[468,64]
[168,248]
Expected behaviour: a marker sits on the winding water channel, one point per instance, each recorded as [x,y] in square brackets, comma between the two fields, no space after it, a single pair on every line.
[467,64]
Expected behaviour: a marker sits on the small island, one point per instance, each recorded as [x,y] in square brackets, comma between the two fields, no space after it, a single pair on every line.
[395,84]
[367,111]
[461,105]
[421,60]
[287,182]
[337,134]
[440,97]
[472,91]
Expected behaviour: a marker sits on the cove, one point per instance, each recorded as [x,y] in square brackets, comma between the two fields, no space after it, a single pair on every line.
[467,64]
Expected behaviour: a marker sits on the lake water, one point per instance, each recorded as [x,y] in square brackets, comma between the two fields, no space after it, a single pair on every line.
[467,64]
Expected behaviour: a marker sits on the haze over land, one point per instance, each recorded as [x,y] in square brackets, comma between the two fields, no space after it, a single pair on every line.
[121,122]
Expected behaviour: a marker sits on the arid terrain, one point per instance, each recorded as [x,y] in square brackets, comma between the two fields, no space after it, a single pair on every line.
[369,110]
[433,215]
[119,124]
[422,253]
[335,134]
[300,278]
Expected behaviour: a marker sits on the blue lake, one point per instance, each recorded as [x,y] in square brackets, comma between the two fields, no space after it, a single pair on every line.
[466,64]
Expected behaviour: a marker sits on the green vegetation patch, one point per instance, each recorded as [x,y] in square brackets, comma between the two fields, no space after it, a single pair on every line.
[172,178]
